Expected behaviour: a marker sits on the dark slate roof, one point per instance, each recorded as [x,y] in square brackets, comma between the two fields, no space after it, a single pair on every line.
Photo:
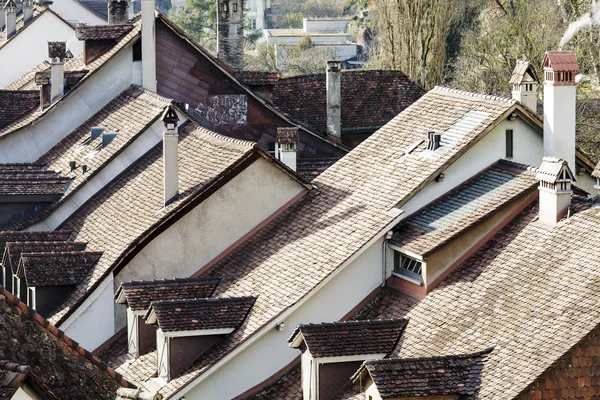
[16,103]
[434,376]
[199,314]
[102,32]
[69,370]
[13,251]
[40,236]
[140,294]
[337,339]
[464,207]
[310,168]
[56,268]
[28,182]
[13,376]
[370,98]
[256,78]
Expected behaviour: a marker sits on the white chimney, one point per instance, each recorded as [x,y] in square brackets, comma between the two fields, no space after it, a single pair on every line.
[170,156]
[57,51]
[10,15]
[287,141]
[148,46]
[555,178]
[524,83]
[334,100]
[27,11]
[560,68]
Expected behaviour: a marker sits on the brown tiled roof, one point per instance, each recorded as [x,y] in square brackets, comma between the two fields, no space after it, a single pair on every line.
[102,32]
[310,168]
[40,236]
[200,314]
[433,376]
[561,60]
[464,207]
[288,387]
[287,135]
[134,200]
[13,250]
[13,376]
[370,98]
[337,339]
[31,183]
[56,268]
[256,78]
[16,103]
[72,77]
[130,113]
[69,370]
[139,294]
[26,79]
[75,64]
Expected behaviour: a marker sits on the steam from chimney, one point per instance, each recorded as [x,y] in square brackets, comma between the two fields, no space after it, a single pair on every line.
[586,20]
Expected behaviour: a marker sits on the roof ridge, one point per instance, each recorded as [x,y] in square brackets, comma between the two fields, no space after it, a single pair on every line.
[8,365]
[174,280]
[524,167]
[206,300]
[60,253]
[225,138]
[49,242]
[73,345]
[474,95]
[147,92]
[431,358]
[352,322]
[8,233]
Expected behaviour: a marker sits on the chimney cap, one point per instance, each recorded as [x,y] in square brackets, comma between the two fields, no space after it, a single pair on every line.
[287,135]
[552,169]
[522,69]
[57,51]
[334,66]
[561,60]
[10,4]
[170,116]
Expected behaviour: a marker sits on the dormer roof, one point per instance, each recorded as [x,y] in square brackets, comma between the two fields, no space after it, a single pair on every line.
[561,60]
[336,339]
[199,314]
[553,169]
[523,71]
[140,294]
[13,251]
[56,269]
[27,182]
[102,32]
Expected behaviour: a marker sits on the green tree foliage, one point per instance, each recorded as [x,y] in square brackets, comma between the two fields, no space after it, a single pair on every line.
[199,20]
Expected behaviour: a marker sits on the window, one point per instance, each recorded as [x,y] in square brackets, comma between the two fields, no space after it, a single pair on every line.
[273,149]
[509,143]
[253,24]
[137,51]
[404,263]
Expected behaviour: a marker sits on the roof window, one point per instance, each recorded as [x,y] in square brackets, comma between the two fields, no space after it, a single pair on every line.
[408,268]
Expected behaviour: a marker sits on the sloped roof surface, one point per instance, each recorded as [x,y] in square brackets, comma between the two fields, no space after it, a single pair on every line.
[200,314]
[31,183]
[13,250]
[140,294]
[338,339]
[40,236]
[521,69]
[57,268]
[16,103]
[102,32]
[310,168]
[464,207]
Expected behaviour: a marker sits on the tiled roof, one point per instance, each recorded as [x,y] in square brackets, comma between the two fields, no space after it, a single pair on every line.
[69,370]
[288,387]
[310,168]
[523,67]
[256,78]
[354,202]
[433,376]
[370,98]
[129,114]
[200,314]
[139,294]
[31,183]
[75,64]
[40,236]
[26,79]
[102,32]
[462,208]
[550,169]
[13,376]
[532,290]
[16,103]
[56,268]
[136,394]
[13,250]
[350,338]
[134,200]
[561,60]
[37,11]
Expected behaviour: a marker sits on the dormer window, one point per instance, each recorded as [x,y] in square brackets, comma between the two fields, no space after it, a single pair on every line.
[408,268]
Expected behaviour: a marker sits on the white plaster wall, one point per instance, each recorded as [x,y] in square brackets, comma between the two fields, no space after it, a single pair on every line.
[75,13]
[29,144]
[321,39]
[30,46]
[325,25]
[94,324]
[270,353]
[25,392]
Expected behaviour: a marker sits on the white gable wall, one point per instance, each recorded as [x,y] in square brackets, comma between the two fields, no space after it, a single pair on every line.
[30,46]
[75,13]
[30,143]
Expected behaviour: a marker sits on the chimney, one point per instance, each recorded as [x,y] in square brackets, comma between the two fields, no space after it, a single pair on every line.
[555,178]
[560,68]
[57,51]
[27,11]
[524,83]
[10,15]
[434,141]
[148,46]
[287,140]
[170,156]
[230,33]
[2,15]
[131,9]
[334,100]
[118,12]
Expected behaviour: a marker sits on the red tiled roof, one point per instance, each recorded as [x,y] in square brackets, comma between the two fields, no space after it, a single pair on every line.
[139,294]
[338,339]
[200,314]
[561,60]
[56,268]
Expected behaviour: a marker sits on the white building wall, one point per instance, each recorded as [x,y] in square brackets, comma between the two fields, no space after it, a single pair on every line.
[32,142]
[76,13]
[325,25]
[30,46]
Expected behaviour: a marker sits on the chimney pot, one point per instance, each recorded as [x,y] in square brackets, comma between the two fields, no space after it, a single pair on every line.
[27,11]
[10,12]
[287,141]
[57,51]
[334,99]
[524,82]
[170,156]
[555,179]
[72,164]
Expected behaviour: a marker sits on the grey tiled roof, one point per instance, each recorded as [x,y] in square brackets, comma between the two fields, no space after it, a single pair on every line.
[56,268]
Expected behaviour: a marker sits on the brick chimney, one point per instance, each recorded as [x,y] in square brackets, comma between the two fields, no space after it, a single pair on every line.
[170,156]
[57,51]
[230,33]
[10,15]
[560,68]
[118,12]
[334,100]
[524,83]
[287,140]
[148,46]
[555,178]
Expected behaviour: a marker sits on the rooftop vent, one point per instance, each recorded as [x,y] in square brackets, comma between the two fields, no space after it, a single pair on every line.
[96,132]
[434,141]
[108,137]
